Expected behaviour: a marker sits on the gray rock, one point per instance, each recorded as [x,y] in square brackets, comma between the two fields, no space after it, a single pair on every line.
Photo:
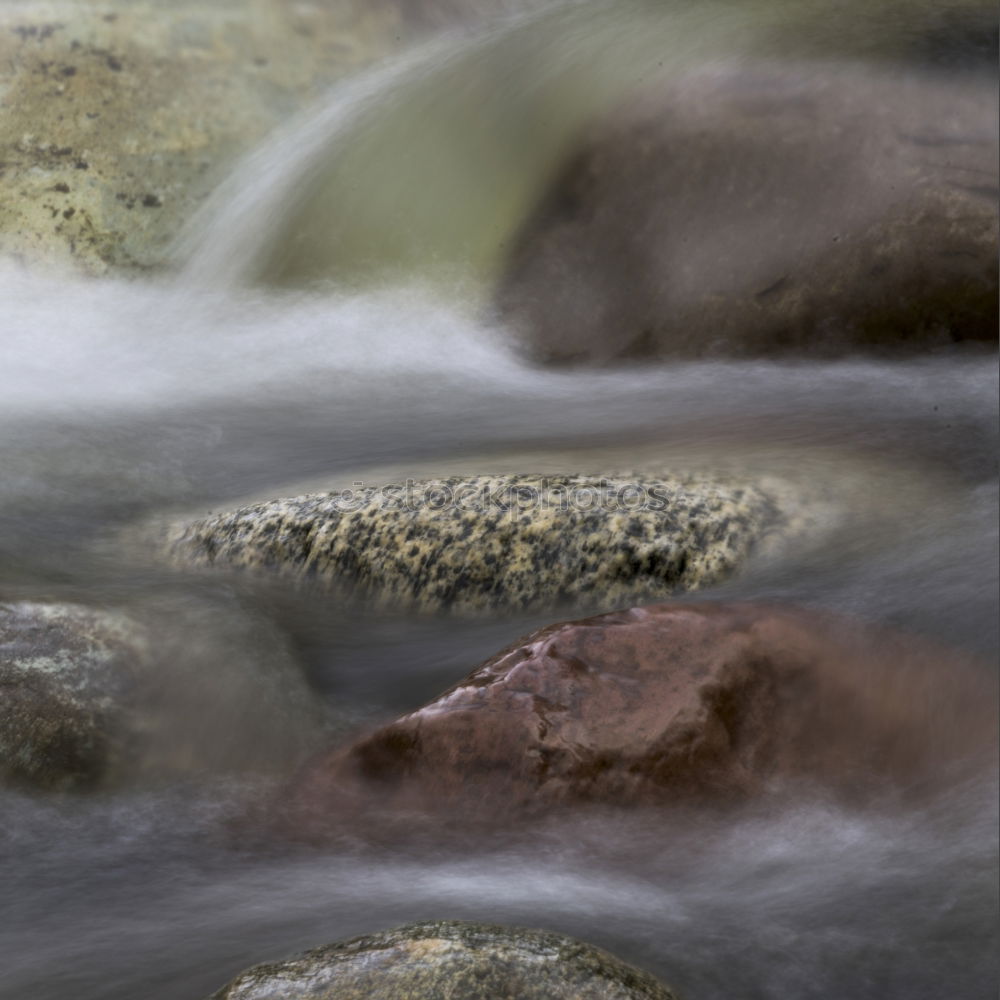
[449,960]
[767,211]
[485,542]
[69,676]
[94,698]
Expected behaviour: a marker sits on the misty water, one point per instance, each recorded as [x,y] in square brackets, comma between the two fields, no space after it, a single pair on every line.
[325,324]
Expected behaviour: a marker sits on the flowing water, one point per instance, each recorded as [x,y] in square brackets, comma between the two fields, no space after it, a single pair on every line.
[325,325]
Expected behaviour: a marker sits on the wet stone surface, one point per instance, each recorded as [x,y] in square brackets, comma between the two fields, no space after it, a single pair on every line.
[69,677]
[97,698]
[477,543]
[449,960]
[671,704]
[676,228]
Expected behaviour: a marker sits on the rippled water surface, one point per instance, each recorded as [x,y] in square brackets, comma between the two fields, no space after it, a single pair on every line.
[243,375]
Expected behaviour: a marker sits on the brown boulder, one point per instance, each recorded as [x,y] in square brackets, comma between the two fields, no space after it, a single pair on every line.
[767,211]
[671,704]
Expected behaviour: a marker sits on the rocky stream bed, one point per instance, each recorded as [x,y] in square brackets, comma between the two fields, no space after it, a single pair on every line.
[498,499]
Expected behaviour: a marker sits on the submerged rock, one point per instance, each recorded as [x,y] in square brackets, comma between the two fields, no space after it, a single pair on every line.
[665,705]
[483,542]
[768,211]
[93,697]
[69,677]
[120,118]
[453,960]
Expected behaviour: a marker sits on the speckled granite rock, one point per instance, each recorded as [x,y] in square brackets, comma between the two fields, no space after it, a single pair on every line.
[767,211]
[117,118]
[94,697]
[664,705]
[449,960]
[498,542]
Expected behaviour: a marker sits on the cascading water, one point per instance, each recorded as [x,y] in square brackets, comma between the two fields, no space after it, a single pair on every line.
[379,181]
[325,325]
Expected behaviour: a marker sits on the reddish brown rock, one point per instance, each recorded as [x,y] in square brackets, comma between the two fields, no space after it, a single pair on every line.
[672,704]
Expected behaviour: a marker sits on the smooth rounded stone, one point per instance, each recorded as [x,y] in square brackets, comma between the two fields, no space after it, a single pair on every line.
[666,705]
[69,675]
[121,116]
[94,697]
[768,211]
[449,960]
[484,542]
